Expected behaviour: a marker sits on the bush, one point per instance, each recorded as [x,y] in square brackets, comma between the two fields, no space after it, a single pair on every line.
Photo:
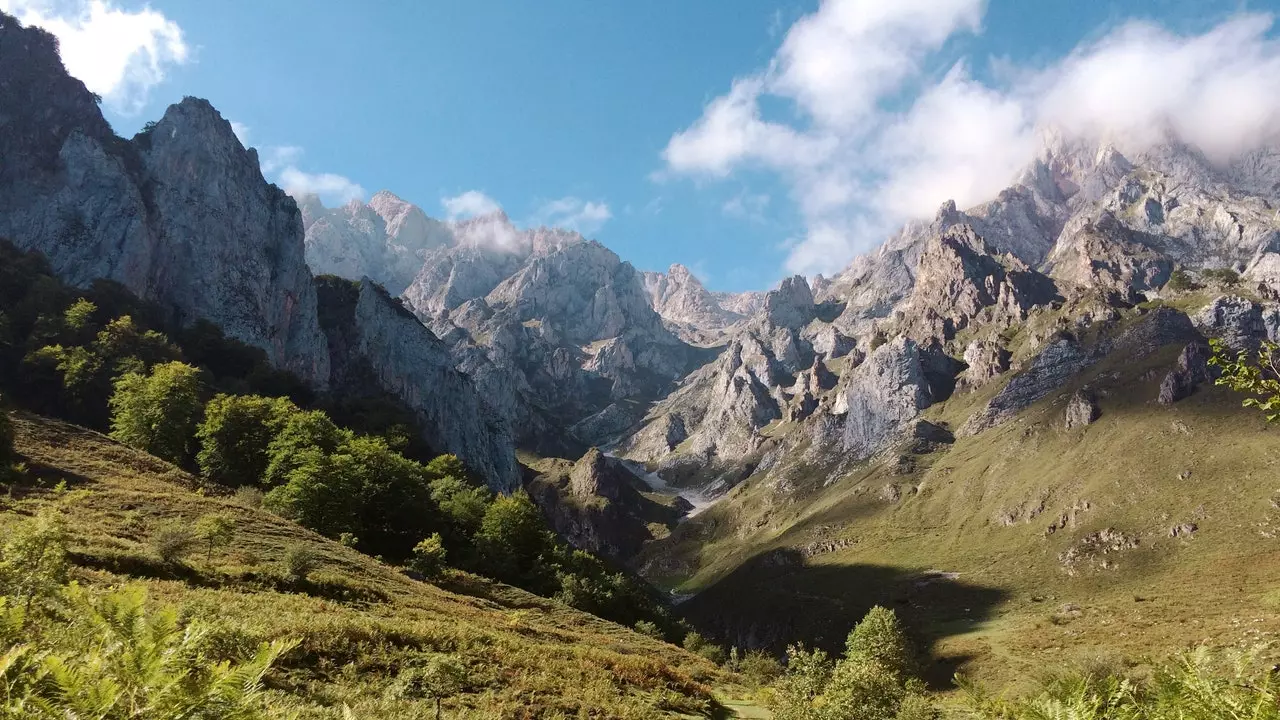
[248,496]
[299,562]
[157,412]
[235,434]
[1226,276]
[760,667]
[872,682]
[694,641]
[33,561]
[880,640]
[428,558]
[1181,281]
[216,530]
[645,627]
[173,543]
[121,661]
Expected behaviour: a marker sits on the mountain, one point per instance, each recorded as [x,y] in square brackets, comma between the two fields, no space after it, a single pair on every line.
[181,215]
[1021,426]
[387,238]
[557,330]
[689,310]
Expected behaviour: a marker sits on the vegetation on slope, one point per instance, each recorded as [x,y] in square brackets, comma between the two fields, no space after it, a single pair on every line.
[364,631]
[1025,546]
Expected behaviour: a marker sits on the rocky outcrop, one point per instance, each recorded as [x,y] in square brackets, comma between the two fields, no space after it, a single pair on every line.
[985,361]
[766,373]
[687,308]
[1191,371]
[1082,409]
[878,399]
[1239,322]
[1048,371]
[378,345]
[387,239]
[961,280]
[1105,256]
[598,504]
[180,214]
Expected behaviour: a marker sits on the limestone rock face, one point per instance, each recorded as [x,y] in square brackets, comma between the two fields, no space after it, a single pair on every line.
[766,373]
[1191,371]
[1105,255]
[1082,410]
[387,239]
[881,396]
[960,279]
[688,309]
[986,360]
[556,330]
[180,214]
[377,337]
[1239,322]
[1050,369]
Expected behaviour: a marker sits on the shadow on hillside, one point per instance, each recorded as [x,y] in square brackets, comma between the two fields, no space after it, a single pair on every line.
[777,599]
[39,475]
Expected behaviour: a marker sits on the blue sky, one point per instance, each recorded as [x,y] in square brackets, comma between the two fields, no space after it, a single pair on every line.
[561,110]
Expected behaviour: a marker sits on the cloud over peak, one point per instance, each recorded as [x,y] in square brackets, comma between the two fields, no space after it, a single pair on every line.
[119,54]
[468,205]
[573,213]
[859,161]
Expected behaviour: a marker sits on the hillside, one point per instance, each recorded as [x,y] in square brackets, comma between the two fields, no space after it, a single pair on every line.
[1031,543]
[359,622]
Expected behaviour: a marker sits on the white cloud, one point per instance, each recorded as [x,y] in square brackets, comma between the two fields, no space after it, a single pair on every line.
[859,161]
[278,157]
[469,204]
[839,61]
[118,54]
[242,132]
[281,162]
[573,213]
[332,189]
[747,206]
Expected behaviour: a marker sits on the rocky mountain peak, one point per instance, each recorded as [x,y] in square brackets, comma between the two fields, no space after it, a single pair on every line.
[960,276]
[181,214]
[791,304]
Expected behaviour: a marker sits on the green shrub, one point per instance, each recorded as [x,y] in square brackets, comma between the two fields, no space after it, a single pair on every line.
[645,627]
[428,558]
[235,434]
[1181,281]
[299,562]
[760,667]
[872,682]
[694,641]
[248,496]
[174,542]
[157,413]
[880,640]
[215,530]
[33,561]
[1198,685]
[120,661]
[1225,276]
[442,677]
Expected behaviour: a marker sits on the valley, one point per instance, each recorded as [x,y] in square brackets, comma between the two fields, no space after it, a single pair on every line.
[391,464]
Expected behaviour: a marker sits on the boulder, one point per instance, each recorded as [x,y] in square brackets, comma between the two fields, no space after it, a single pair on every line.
[1082,409]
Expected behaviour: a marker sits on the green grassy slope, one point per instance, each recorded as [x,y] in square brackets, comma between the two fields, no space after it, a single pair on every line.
[359,621]
[967,555]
